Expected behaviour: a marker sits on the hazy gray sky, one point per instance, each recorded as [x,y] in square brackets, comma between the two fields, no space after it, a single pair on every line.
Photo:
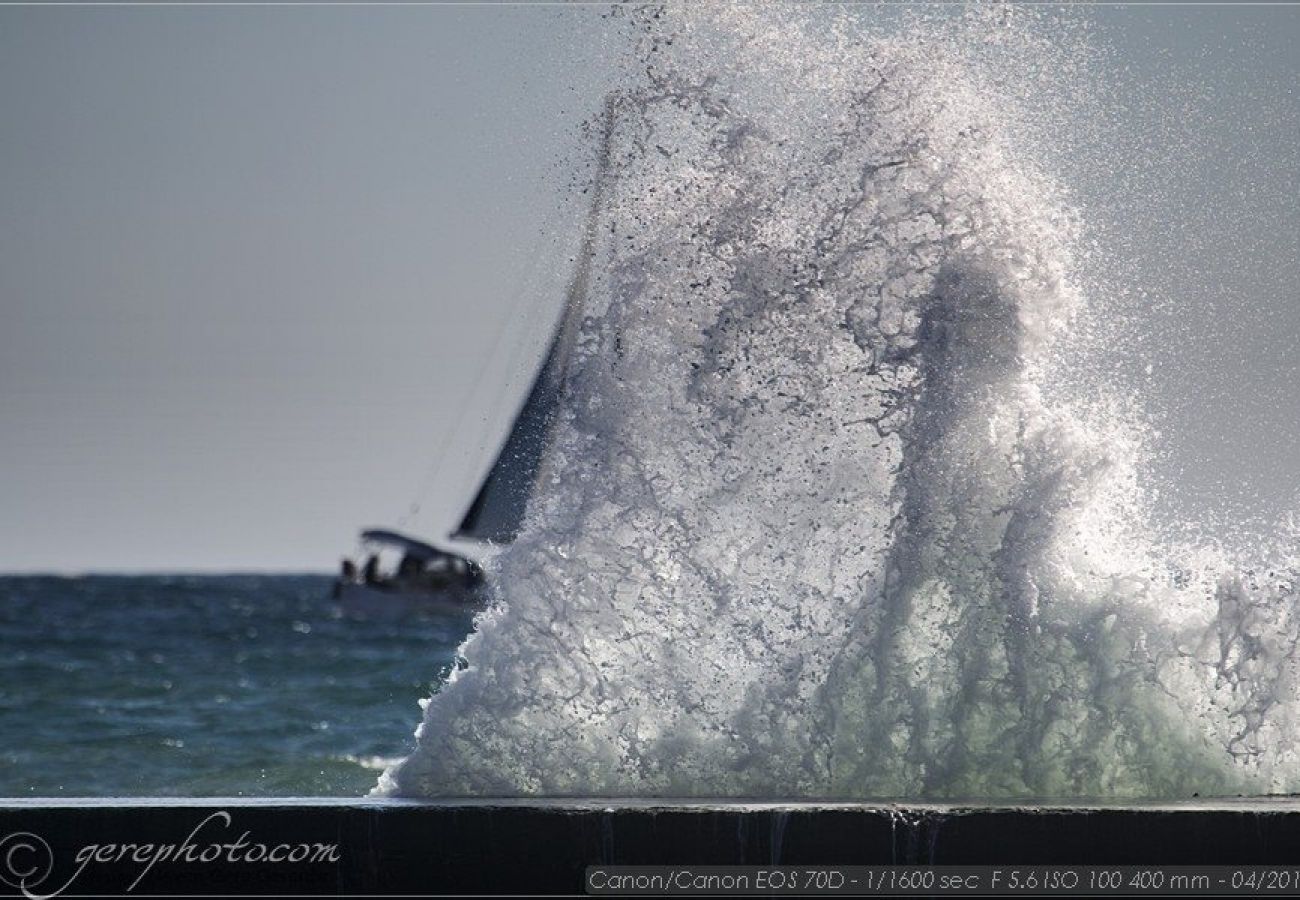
[270,274]
[252,261]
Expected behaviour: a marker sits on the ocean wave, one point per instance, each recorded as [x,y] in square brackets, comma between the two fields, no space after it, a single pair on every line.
[811,527]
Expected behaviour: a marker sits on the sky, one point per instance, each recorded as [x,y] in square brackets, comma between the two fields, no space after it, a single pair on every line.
[269,275]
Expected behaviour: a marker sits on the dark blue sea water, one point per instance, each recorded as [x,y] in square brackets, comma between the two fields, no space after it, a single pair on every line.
[235,685]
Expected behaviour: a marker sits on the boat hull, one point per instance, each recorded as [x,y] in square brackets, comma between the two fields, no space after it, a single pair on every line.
[378,602]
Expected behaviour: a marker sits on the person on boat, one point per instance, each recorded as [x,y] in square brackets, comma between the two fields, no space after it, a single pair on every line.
[410,566]
[347,575]
[370,574]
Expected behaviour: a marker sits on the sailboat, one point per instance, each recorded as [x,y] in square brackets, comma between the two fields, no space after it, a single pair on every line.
[436,579]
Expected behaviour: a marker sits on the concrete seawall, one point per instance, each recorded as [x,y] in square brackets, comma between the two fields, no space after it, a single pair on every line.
[318,846]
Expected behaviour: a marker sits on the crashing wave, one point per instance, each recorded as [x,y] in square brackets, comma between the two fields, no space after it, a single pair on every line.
[811,528]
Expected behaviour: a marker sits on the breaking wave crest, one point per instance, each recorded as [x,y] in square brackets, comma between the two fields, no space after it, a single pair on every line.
[811,526]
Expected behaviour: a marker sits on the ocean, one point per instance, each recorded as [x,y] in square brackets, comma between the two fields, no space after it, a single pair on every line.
[238,685]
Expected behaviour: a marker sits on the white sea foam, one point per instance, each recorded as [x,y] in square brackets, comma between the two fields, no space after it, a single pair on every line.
[811,528]
[378,763]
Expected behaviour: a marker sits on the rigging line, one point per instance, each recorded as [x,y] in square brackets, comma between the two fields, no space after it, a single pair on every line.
[545,232]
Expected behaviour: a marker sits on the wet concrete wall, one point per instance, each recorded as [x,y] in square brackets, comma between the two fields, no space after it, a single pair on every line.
[537,847]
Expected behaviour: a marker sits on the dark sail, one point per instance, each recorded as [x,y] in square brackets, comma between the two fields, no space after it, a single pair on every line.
[497,512]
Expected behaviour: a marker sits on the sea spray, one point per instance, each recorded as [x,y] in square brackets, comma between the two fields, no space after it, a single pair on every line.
[810,527]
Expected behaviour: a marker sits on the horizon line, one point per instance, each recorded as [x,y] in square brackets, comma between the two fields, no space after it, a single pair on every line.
[197,572]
